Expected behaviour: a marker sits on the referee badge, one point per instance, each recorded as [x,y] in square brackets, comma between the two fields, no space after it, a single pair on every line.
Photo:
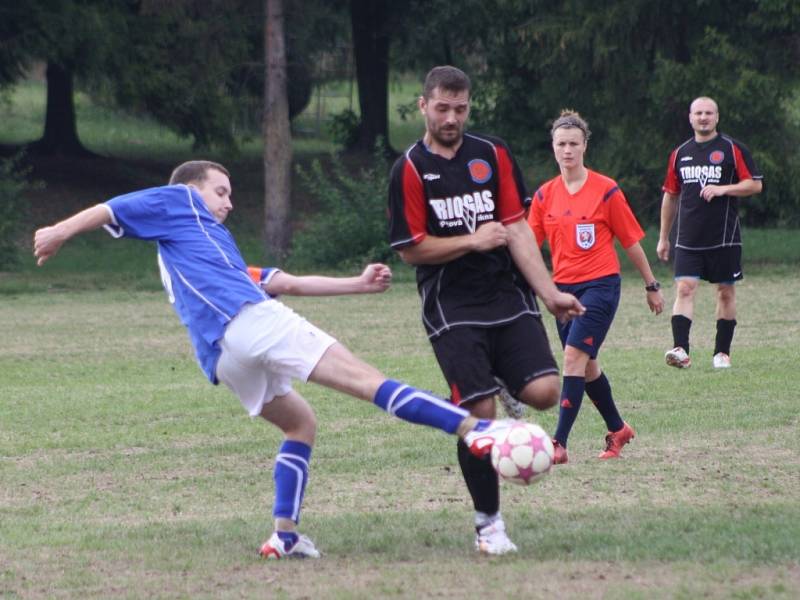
[584,235]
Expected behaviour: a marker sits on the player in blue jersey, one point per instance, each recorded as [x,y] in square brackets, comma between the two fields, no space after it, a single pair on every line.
[248,340]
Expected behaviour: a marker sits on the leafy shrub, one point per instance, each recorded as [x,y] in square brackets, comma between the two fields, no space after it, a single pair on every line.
[350,228]
[343,128]
[13,210]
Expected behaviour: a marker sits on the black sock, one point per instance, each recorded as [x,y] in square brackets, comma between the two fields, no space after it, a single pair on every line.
[481,480]
[599,392]
[725,329]
[571,397]
[680,331]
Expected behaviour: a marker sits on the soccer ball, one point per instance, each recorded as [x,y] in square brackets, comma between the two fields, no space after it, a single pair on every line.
[523,453]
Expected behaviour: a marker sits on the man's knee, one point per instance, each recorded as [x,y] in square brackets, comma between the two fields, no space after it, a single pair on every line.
[726,294]
[541,393]
[687,288]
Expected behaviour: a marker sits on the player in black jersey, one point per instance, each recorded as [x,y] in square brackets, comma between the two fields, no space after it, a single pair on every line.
[706,176]
[457,207]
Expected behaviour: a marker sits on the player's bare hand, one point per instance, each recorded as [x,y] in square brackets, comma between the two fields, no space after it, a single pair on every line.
[662,250]
[564,306]
[655,300]
[46,243]
[376,277]
[710,192]
[490,236]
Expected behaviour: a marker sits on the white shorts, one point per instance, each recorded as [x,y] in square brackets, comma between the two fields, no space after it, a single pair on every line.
[266,346]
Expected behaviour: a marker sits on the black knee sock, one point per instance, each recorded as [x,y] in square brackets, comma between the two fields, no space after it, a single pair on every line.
[481,479]
[599,392]
[680,331]
[572,388]
[725,329]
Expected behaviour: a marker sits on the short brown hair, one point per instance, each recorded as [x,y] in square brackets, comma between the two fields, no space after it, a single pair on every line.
[570,119]
[447,78]
[195,171]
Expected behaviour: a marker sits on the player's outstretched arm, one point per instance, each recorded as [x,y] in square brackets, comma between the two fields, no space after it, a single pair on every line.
[375,278]
[525,251]
[47,241]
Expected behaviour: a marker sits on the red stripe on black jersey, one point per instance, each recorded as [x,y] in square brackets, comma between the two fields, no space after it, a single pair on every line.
[512,202]
[430,195]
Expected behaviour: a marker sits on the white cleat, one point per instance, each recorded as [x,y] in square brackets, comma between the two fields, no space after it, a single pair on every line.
[492,539]
[481,439]
[513,407]
[274,548]
[722,361]
[678,358]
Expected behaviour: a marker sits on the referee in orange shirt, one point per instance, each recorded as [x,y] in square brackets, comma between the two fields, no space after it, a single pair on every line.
[579,213]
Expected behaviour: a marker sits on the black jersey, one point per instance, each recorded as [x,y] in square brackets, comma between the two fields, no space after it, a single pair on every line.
[433,195]
[722,160]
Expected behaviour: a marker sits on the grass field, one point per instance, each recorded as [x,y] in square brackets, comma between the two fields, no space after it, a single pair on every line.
[125,474]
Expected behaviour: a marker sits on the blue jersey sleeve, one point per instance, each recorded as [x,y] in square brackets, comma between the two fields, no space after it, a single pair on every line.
[143,214]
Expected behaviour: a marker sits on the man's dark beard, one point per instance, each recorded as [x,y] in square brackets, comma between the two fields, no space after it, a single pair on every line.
[447,142]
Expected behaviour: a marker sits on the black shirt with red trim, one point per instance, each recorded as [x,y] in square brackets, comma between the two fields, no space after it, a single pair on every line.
[703,225]
[432,195]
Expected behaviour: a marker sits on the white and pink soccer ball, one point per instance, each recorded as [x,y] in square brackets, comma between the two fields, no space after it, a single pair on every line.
[522,453]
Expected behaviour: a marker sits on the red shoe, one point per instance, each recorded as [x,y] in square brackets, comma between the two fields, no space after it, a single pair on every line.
[615,440]
[560,456]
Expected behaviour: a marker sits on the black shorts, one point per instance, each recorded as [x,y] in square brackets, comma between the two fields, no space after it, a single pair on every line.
[720,265]
[471,357]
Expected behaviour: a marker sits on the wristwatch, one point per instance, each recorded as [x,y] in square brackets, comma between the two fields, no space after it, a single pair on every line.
[653,286]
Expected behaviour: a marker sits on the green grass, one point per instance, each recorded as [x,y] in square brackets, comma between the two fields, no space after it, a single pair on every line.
[124,473]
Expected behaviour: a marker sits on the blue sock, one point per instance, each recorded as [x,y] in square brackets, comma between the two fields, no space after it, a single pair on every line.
[416,406]
[599,391]
[571,398]
[291,477]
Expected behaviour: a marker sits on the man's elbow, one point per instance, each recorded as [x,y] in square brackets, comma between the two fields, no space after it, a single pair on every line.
[407,257]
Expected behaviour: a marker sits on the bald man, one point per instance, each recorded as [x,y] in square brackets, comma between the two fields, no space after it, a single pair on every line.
[706,176]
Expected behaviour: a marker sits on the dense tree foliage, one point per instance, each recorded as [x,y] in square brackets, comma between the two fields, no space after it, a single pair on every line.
[632,67]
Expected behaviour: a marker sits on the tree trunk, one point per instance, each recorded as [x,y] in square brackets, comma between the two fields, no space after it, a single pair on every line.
[60,130]
[370,24]
[277,137]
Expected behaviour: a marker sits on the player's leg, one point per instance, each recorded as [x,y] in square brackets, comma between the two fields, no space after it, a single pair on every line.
[689,268]
[573,385]
[269,395]
[726,324]
[339,369]
[582,339]
[727,269]
[292,415]
[463,355]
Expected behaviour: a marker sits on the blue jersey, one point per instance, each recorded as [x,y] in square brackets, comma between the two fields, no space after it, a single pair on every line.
[202,270]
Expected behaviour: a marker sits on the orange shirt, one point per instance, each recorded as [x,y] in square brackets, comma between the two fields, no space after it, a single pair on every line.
[580,228]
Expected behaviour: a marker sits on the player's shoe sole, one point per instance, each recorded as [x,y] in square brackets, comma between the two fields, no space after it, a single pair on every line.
[513,407]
